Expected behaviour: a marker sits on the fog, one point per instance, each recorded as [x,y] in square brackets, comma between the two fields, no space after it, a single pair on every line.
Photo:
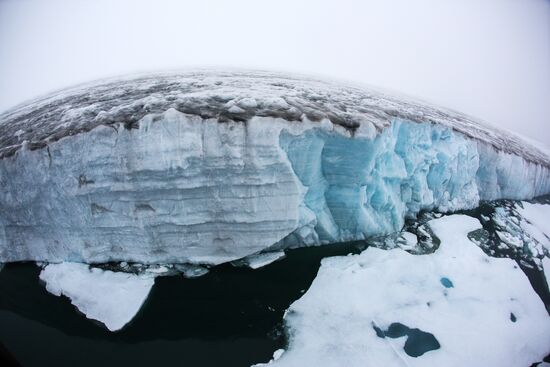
[490,59]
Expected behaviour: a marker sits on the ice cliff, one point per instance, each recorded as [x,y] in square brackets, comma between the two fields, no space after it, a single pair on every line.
[210,167]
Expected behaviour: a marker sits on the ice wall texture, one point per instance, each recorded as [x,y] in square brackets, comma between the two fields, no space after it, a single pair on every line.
[212,167]
[355,188]
[180,189]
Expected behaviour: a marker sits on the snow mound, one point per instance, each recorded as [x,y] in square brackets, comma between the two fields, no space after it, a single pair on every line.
[456,307]
[112,298]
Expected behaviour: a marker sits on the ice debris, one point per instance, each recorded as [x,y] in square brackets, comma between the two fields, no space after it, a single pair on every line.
[260,260]
[113,298]
[520,230]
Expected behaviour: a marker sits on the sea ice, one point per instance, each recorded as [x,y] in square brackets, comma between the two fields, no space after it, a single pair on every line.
[191,270]
[536,221]
[260,260]
[112,298]
[455,307]
[523,228]
[407,241]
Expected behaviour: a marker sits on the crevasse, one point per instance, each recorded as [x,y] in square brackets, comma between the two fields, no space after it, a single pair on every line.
[181,188]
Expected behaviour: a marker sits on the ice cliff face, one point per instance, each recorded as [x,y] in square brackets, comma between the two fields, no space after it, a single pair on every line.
[212,167]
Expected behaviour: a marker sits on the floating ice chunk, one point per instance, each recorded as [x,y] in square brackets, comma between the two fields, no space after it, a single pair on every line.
[278,353]
[113,298]
[260,260]
[523,228]
[409,241]
[191,270]
[157,270]
[537,223]
[459,306]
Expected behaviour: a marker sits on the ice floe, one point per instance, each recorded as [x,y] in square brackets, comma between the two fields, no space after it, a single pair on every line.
[112,298]
[521,230]
[455,307]
[536,221]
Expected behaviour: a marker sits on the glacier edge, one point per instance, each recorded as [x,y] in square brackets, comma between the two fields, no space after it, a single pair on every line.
[181,188]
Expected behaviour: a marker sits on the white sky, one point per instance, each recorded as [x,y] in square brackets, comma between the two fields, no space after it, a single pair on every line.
[488,58]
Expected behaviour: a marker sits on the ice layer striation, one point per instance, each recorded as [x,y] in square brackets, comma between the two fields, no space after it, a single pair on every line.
[163,178]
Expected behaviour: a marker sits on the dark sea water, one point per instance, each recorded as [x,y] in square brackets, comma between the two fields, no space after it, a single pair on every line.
[228,317]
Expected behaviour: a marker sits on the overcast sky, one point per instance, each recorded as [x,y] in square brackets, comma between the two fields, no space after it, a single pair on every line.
[489,58]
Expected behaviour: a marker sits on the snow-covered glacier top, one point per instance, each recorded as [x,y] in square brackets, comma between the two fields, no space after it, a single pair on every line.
[231,96]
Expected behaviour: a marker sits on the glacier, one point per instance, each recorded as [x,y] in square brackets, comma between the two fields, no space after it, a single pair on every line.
[211,167]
